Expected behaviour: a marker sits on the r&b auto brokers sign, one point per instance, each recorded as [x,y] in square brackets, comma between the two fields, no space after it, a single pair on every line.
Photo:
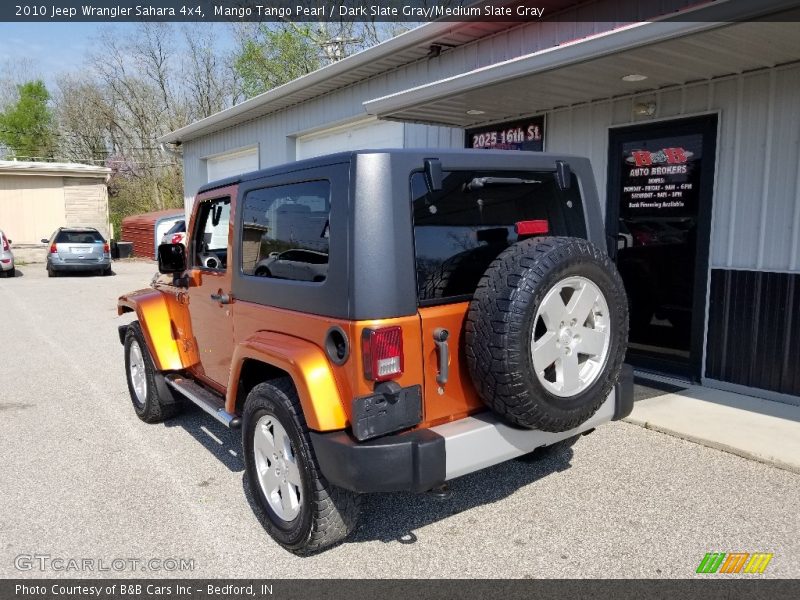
[661,177]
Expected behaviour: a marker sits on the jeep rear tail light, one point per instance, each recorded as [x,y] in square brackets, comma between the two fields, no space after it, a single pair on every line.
[383,353]
[106,248]
[53,249]
[5,243]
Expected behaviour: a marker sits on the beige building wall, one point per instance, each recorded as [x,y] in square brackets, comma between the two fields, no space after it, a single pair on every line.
[86,203]
[31,207]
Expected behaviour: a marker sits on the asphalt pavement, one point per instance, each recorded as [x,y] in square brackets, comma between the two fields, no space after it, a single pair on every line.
[84,483]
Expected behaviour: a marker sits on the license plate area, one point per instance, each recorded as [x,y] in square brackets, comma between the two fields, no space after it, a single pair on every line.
[391,408]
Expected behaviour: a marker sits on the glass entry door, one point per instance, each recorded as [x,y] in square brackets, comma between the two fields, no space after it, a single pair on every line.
[659,213]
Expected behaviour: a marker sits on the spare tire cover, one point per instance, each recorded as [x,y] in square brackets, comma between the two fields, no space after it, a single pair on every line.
[546,332]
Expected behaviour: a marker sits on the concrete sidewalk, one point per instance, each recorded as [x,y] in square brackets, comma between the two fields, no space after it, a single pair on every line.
[753,428]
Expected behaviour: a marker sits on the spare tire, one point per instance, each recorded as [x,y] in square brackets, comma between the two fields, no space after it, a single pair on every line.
[546,332]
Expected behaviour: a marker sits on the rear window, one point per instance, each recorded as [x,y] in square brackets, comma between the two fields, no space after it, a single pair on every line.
[460,230]
[78,237]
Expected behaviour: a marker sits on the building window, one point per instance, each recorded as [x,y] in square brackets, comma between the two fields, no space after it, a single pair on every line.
[285,232]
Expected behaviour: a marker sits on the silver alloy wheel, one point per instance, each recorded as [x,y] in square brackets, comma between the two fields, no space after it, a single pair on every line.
[571,336]
[277,468]
[137,372]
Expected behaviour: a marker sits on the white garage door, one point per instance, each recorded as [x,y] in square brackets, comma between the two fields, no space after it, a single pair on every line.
[370,134]
[233,163]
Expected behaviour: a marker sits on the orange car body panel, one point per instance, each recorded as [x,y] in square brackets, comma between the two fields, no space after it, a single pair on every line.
[185,331]
[164,319]
[295,342]
[457,398]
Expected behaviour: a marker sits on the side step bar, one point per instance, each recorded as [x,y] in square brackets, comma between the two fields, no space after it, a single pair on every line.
[205,399]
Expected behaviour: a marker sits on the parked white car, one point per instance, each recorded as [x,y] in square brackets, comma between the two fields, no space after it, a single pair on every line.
[175,234]
[297,264]
[6,257]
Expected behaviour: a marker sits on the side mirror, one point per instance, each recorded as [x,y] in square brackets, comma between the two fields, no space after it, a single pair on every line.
[171,259]
[45,240]
[9,240]
[433,174]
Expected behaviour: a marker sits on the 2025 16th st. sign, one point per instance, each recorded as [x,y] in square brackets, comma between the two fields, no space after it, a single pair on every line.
[525,134]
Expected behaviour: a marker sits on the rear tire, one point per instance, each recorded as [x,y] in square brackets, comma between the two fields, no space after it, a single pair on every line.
[546,333]
[51,272]
[143,380]
[293,500]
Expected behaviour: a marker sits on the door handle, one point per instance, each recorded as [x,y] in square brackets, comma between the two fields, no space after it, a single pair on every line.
[221,298]
[440,335]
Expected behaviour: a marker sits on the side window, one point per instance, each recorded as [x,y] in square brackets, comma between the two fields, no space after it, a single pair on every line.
[285,232]
[210,243]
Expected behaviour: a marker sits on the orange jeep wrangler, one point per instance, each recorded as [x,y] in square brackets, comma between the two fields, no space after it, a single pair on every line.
[379,321]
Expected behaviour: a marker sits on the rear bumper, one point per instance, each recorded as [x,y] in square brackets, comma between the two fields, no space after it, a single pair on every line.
[419,460]
[92,265]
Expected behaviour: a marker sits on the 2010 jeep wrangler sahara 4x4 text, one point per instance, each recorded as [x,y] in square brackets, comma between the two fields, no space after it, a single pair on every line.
[379,321]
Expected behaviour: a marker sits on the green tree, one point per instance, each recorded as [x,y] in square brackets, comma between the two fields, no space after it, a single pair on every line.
[273,55]
[27,126]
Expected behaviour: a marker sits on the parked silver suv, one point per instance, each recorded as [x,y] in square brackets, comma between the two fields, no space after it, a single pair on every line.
[6,257]
[77,249]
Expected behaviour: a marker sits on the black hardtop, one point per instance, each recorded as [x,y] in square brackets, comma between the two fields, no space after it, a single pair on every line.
[494,159]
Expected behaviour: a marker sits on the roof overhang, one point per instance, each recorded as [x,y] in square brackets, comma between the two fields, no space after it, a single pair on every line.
[13,167]
[403,49]
[669,52]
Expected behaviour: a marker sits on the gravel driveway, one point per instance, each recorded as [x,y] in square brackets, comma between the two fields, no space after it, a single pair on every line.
[82,477]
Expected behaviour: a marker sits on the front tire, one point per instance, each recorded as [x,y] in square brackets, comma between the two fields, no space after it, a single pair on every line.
[293,500]
[150,405]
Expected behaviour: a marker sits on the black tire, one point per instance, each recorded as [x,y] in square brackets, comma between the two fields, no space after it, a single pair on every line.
[262,272]
[328,514]
[500,327]
[10,273]
[107,271]
[52,272]
[158,403]
[458,272]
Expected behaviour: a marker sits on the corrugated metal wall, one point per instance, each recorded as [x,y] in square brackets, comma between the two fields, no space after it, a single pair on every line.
[753,322]
[141,230]
[756,222]
[271,132]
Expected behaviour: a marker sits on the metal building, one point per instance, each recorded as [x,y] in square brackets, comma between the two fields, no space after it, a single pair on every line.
[692,125]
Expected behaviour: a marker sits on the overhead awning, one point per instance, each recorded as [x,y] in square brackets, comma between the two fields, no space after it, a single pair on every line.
[667,53]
